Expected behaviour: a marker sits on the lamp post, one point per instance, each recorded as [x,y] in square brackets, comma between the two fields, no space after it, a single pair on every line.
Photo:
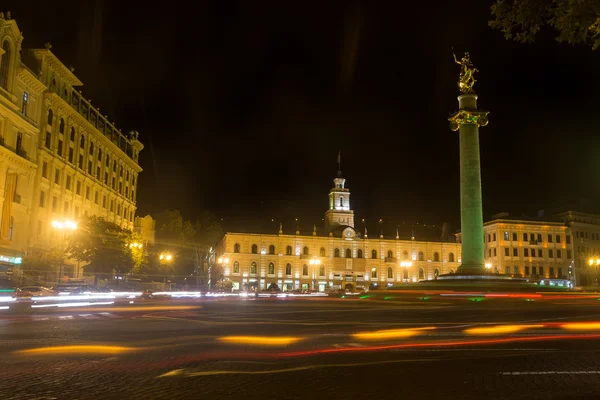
[314,261]
[596,262]
[63,225]
[223,261]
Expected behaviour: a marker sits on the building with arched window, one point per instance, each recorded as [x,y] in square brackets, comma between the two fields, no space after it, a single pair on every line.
[381,261]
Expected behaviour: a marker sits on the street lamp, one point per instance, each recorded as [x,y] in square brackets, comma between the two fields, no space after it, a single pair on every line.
[136,245]
[488,265]
[166,257]
[63,225]
[592,262]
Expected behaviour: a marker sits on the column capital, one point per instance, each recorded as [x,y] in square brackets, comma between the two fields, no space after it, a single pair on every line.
[468,117]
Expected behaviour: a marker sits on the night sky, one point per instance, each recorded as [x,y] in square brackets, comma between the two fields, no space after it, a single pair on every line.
[243,106]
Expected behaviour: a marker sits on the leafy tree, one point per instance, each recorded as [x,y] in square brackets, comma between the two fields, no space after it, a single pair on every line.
[577,21]
[41,264]
[103,245]
[208,230]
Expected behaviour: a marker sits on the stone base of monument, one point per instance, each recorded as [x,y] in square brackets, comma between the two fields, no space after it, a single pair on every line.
[475,276]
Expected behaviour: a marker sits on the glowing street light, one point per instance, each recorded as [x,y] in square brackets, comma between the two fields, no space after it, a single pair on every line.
[314,262]
[223,260]
[65,224]
[165,257]
[488,265]
[593,261]
[136,245]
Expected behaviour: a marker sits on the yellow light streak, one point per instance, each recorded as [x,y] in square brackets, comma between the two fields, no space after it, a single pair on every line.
[260,340]
[584,326]
[78,349]
[499,329]
[390,333]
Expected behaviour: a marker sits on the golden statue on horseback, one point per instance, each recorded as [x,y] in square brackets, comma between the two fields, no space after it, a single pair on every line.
[466,79]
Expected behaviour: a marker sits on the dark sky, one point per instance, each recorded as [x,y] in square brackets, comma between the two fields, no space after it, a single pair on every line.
[243,106]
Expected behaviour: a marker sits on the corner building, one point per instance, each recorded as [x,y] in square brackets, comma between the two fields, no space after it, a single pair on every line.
[342,259]
[59,156]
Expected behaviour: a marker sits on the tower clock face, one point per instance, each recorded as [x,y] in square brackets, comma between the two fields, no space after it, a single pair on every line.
[348,232]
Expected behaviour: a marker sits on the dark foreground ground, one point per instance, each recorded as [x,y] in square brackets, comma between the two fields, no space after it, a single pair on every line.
[301,348]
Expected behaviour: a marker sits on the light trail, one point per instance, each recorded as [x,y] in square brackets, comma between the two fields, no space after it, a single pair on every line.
[76,349]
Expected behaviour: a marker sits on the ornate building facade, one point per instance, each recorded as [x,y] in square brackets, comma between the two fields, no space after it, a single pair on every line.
[342,259]
[59,156]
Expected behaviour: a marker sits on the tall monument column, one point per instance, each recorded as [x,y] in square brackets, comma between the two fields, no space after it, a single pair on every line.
[467,121]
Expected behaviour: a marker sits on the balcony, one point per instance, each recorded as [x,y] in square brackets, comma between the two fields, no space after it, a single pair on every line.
[391,259]
[533,242]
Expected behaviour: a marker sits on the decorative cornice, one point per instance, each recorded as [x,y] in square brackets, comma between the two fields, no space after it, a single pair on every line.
[30,79]
[468,117]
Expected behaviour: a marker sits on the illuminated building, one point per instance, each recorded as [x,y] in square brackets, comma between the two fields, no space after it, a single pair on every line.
[59,156]
[530,249]
[342,259]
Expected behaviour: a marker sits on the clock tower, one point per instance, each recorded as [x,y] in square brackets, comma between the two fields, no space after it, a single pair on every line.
[339,213]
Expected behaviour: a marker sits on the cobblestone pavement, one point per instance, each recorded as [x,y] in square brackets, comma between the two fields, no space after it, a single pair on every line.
[298,349]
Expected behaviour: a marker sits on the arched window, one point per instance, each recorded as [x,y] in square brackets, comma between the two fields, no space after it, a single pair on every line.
[322,270]
[5,64]
[405,255]
[254,249]
[322,252]
[61,126]
[305,270]
[236,267]
[421,256]
[336,253]
[390,254]
[436,273]
[82,142]
[305,251]
[72,138]
[271,249]
[421,273]
[374,272]
[451,257]
[288,269]
[288,251]
[436,256]
[359,254]
[50,116]
[271,269]
[390,273]
[236,248]
[92,148]
[348,253]
[253,267]
[374,253]
[405,274]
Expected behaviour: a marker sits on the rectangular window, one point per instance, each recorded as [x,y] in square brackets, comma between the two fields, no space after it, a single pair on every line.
[494,236]
[550,253]
[115,166]
[524,237]
[119,209]
[121,171]
[59,150]
[539,237]
[78,188]
[24,103]
[112,205]
[568,239]
[515,252]
[106,178]
[45,170]
[516,270]
[558,254]
[126,191]
[551,272]
[120,187]
[526,252]
[489,237]
[540,253]
[133,180]
[131,216]
[569,253]
[87,192]
[42,199]
[532,252]
[107,161]
[98,172]
[541,271]
[549,238]
[71,155]
[132,194]
[489,252]
[80,161]
[557,238]
[514,236]
[104,201]
[526,270]
[505,235]
[494,252]
[54,204]
[507,270]
[113,182]
[90,167]
[48,141]
[96,195]
[68,182]
[533,270]
[57,176]
[506,251]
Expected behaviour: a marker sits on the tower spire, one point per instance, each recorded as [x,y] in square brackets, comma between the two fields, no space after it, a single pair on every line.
[339,164]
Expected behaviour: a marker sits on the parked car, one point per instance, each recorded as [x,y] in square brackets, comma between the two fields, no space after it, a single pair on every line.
[30,291]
